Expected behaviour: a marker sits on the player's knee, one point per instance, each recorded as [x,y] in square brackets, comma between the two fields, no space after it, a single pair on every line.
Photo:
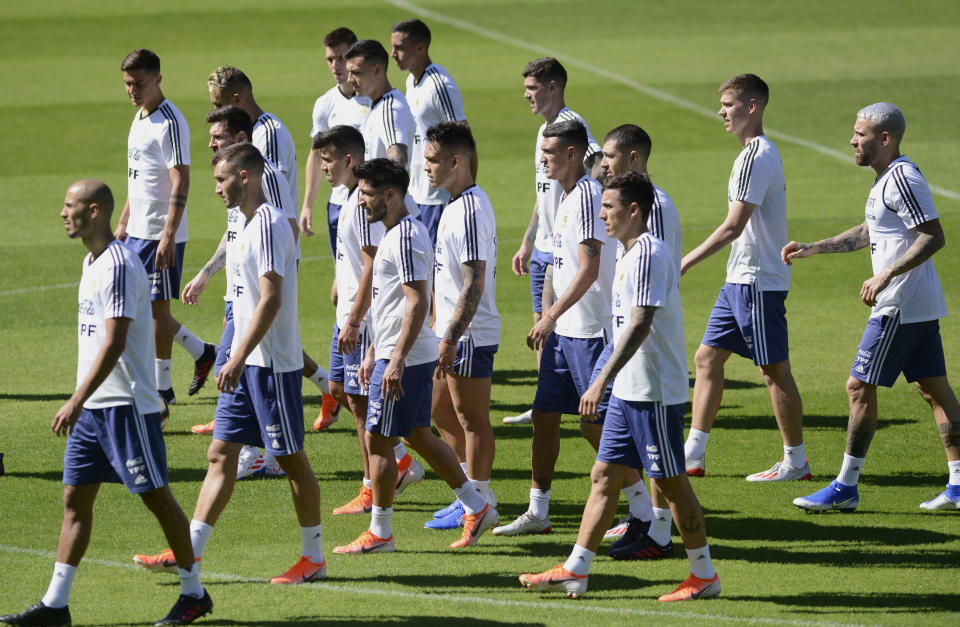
[857,390]
[602,475]
[75,502]
[707,359]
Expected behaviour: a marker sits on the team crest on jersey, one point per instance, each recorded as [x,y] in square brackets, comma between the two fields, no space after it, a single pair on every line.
[86,307]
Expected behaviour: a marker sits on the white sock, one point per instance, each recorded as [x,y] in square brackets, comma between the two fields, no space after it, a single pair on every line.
[639,501]
[321,379]
[199,534]
[381,522]
[473,503]
[399,452]
[190,581]
[189,341]
[796,456]
[463,467]
[850,470]
[367,483]
[539,503]
[58,593]
[659,530]
[310,538]
[163,368]
[579,561]
[700,563]
[482,488]
[696,444]
[954,468]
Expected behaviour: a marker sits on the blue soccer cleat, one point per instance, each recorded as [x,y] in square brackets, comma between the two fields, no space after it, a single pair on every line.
[949,499]
[834,497]
[453,520]
[456,506]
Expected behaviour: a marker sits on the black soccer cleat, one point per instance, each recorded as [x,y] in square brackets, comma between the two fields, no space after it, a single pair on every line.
[39,614]
[636,528]
[188,609]
[202,367]
[168,396]
[643,548]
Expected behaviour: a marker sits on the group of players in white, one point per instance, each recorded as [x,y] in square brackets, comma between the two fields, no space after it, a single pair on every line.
[415,246]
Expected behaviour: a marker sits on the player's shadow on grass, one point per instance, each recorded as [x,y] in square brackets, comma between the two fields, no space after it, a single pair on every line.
[818,528]
[35,397]
[514,377]
[885,602]
[492,582]
[904,480]
[809,421]
[733,384]
[569,428]
[321,620]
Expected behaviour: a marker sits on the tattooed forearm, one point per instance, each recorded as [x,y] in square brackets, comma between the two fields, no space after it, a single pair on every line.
[531,233]
[178,200]
[922,249]
[633,336]
[852,239]
[216,263]
[473,273]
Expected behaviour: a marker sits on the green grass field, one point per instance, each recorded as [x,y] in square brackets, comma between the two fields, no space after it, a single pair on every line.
[64,116]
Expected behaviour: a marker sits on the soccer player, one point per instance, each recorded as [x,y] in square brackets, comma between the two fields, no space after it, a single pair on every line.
[399,365]
[465,284]
[113,416]
[433,97]
[749,317]
[154,217]
[544,82]
[574,330]
[260,402]
[903,231]
[644,420]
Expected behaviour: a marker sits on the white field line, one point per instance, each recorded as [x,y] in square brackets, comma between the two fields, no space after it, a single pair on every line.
[456,598]
[653,92]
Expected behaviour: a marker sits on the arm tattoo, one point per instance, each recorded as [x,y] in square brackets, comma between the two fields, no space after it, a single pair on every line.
[178,200]
[920,250]
[590,247]
[216,263]
[531,233]
[852,239]
[548,297]
[473,273]
[633,336]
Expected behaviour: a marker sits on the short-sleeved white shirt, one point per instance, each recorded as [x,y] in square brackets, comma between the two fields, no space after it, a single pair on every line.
[157,142]
[578,219]
[435,99]
[114,285]
[266,245]
[405,255]
[664,223]
[647,277]
[467,232]
[389,122]
[331,109]
[757,178]
[275,143]
[899,201]
[549,191]
[353,234]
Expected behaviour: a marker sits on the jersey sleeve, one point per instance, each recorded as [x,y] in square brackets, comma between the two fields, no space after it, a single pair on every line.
[476,230]
[908,194]
[593,147]
[277,191]
[368,234]
[117,292]
[752,175]
[398,123]
[321,116]
[275,247]
[447,98]
[174,139]
[652,275]
[589,224]
[414,255]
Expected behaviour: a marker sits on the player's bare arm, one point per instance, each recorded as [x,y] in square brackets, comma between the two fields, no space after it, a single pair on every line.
[850,240]
[738,214]
[180,186]
[193,289]
[121,231]
[522,256]
[474,276]
[271,297]
[588,255]
[929,240]
[113,346]
[365,372]
[399,154]
[547,297]
[313,174]
[349,334]
[418,302]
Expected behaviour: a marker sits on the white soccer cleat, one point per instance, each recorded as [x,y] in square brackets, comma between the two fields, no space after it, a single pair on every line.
[525,525]
[250,462]
[782,471]
[523,419]
[618,529]
[947,500]
[407,477]
[696,466]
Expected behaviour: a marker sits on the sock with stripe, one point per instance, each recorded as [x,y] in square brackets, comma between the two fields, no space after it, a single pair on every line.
[700,563]
[850,470]
[189,341]
[164,371]
[58,593]
[696,444]
[381,522]
[579,561]
[639,501]
[310,546]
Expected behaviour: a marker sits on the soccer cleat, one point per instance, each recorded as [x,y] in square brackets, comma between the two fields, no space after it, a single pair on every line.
[162,562]
[696,466]
[557,578]
[634,529]
[366,543]
[304,571]
[250,462]
[204,429]
[202,367]
[1,465]
[360,504]
[947,500]
[409,472]
[694,588]
[525,525]
[271,468]
[168,396]
[474,526]
[39,614]
[456,505]
[643,548]
[187,609]
[453,520]
[329,408]
[522,419]
[835,496]
[782,471]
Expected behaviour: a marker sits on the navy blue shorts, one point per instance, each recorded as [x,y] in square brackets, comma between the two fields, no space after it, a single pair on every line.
[165,284]
[398,418]
[430,216]
[343,368]
[266,410]
[539,261]
[333,219]
[116,445]
[750,323]
[597,367]
[643,433]
[566,365]
[888,348]
[472,361]
[226,340]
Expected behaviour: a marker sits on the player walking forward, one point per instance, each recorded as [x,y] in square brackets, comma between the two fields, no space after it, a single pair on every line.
[903,231]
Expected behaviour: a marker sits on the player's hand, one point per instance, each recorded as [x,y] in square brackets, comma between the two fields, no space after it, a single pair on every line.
[521,258]
[591,399]
[684,266]
[230,375]
[540,332]
[333,292]
[872,288]
[193,289]
[390,384]
[448,355]
[121,231]
[166,253]
[795,250]
[306,221]
[348,339]
[66,417]
[365,371]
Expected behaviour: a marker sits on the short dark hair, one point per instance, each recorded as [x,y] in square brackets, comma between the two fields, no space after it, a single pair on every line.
[415,29]
[545,70]
[749,85]
[570,132]
[141,59]
[244,156]
[344,140]
[453,136]
[339,36]
[634,186]
[383,173]
[236,119]
[227,78]
[628,137]
[369,51]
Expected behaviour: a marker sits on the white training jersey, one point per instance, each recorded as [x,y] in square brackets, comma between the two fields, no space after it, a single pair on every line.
[353,234]
[664,223]
[899,201]
[266,245]
[389,122]
[757,178]
[467,232]
[331,109]
[549,190]
[578,219]
[646,276]
[405,255]
[275,143]
[157,142]
[435,99]
[114,285]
